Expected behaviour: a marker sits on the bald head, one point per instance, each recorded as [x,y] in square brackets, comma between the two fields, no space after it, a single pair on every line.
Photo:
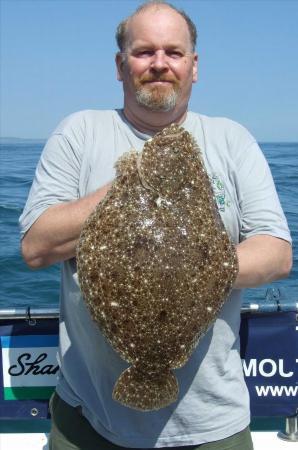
[122,29]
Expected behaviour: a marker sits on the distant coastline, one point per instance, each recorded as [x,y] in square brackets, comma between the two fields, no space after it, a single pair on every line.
[14,140]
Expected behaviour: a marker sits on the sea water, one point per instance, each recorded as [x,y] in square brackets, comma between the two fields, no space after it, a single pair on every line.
[21,286]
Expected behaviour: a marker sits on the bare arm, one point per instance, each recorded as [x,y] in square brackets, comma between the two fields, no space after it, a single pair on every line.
[262,259]
[53,237]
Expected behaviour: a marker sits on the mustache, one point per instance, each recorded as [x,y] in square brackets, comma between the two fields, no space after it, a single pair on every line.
[150,78]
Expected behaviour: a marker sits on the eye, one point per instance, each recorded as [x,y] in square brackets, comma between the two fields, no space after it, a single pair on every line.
[144,53]
[175,54]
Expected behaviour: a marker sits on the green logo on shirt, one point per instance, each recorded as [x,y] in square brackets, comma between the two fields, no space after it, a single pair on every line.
[219,192]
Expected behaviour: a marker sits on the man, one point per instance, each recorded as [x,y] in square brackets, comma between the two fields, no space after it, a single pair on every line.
[157,65]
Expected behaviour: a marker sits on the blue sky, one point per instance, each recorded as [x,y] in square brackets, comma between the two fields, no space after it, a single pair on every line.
[57,57]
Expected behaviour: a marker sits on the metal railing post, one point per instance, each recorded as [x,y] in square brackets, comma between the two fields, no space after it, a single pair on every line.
[291,429]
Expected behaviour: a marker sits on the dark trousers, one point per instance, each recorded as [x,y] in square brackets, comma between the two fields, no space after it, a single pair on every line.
[71,431]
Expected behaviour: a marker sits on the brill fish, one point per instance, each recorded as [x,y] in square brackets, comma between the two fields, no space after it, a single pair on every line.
[155,265]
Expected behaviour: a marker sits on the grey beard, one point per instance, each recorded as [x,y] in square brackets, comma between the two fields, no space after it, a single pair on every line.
[163,103]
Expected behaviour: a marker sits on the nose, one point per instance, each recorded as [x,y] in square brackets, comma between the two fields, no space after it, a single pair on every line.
[159,61]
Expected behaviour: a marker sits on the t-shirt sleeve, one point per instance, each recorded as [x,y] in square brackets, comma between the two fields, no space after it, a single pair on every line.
[56,179]
[260,208]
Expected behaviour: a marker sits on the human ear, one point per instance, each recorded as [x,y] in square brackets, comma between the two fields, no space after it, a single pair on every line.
[119,59]
[195,68]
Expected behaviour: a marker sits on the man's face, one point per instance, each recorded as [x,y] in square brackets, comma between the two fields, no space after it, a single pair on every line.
[158,67]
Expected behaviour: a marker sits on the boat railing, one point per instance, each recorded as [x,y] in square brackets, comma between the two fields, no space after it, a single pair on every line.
[268,347]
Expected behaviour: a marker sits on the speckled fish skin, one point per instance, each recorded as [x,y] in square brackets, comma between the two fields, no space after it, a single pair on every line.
[155,265]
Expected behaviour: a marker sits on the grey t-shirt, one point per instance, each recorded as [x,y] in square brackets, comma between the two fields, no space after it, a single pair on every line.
[213,400]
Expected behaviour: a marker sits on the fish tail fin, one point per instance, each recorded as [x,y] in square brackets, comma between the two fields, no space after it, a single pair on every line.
[145,392]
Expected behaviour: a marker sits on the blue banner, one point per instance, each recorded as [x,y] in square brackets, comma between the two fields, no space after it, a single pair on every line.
[269,342]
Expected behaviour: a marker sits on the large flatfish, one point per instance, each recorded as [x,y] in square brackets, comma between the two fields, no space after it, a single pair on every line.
[155,264]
